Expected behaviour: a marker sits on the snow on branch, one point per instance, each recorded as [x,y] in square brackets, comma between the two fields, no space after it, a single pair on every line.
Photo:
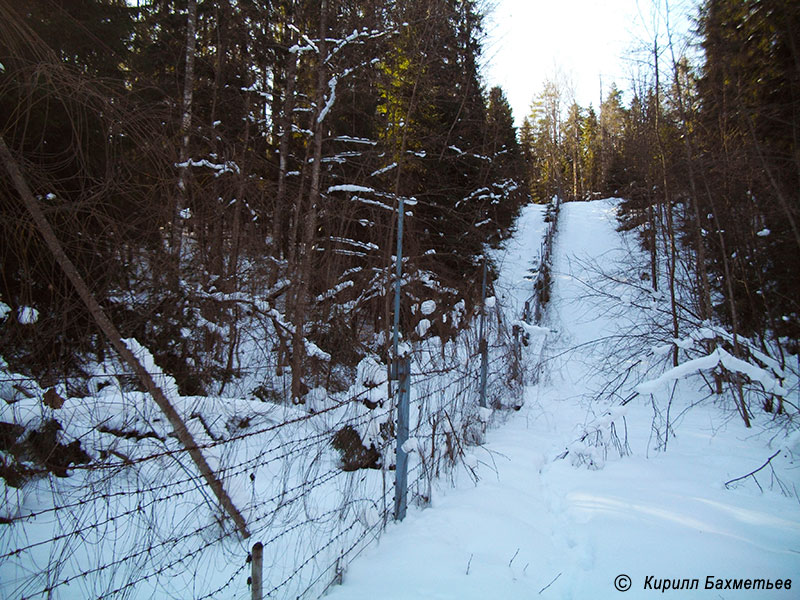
[280,322]
[356,243]
[331,99]
[461,152]
[349,187]
[226,167]
[714,334]
[484,193]
[532,330]
[354,140]
[335,290]
[383,170]
[704,363]
[356,36]
[372,203]
[300,49]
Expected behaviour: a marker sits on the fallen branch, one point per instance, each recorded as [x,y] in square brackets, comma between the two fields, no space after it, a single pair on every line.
[549,584]
[752,473]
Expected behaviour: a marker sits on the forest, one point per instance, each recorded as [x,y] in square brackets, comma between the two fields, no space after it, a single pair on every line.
[704,154]
[225,225]
[189,152]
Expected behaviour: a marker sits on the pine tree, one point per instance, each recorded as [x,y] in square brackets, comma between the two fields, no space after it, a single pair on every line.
[507,173]
[750,93]
[612,122]
[590,152]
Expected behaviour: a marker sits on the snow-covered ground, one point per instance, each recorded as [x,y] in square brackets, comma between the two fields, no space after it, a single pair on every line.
[314,483]
[576,492]
[517,259]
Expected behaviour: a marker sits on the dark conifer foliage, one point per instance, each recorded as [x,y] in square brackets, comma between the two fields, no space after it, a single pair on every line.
[749,96]
[68,133]
[706,160]
[194,151]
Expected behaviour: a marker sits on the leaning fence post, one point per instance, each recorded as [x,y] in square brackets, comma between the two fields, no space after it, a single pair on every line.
[112,333]
[483,345]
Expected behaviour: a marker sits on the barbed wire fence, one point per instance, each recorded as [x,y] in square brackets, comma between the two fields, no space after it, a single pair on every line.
[138,520]
[541,283]
[100,499]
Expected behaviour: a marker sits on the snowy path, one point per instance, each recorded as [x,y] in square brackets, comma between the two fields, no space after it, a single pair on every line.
[537,525]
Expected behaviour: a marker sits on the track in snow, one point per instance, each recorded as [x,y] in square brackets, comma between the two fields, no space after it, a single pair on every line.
[541,524]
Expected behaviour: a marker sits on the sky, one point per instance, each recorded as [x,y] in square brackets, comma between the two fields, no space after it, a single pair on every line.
[586,43]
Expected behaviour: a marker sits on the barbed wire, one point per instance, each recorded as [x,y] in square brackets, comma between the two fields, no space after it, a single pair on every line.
[294,449]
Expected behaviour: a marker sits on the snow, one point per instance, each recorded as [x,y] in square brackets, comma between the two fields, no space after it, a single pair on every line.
[226,167]
[349,187]
[355,140]
[712,332]
[370,372]
[534,330]
[559,511]
[428,307]
[704,363]
[314,351]
[411,445]
[27,315]
[331,100]
[370,202]
[356,243]
[515,262]
[422,327]
[558,499]
[297,48]
[385,169]
[764,232]
[335,290]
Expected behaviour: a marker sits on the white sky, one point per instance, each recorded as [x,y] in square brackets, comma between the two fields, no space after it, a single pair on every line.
[531,40]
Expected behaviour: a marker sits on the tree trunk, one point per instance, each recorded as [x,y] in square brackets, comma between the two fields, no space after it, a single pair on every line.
[702,272]
[186,123]
[309,233]
[279,235]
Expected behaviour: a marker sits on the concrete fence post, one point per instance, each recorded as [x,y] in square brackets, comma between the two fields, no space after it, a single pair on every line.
[257,572]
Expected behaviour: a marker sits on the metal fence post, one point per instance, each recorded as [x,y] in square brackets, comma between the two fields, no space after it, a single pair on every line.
[400,371]
[483,345]
[257,572]
[401,462]
[399,275]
